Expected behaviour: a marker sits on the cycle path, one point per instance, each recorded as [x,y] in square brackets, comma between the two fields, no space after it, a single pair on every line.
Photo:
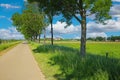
[19,64]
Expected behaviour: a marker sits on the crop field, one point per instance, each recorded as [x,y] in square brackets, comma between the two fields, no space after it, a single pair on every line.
[62,61]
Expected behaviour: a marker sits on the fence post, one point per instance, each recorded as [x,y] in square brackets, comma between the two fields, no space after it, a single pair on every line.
[106,54]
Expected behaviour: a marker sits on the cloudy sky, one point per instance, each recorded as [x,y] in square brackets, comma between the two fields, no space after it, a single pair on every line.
[8,31]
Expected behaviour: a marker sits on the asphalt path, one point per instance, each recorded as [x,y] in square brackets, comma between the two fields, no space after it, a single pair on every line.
[19,64]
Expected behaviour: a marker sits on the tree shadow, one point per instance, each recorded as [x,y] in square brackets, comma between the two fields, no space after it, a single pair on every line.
[54,48]
[92,67]
[75,67]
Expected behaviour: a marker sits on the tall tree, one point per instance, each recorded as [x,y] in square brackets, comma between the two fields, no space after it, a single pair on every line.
[48,6]
[30,22]
[80,9]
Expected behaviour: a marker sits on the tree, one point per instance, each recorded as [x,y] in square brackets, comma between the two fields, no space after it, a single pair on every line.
[0,41]
[30,22]
[44,31]
[91,39]
[100,38]
[80,9]
[114,38]
[49,7]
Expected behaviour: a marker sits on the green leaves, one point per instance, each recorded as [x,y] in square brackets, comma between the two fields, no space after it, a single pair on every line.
[30,23]
[77,9]
[101,10]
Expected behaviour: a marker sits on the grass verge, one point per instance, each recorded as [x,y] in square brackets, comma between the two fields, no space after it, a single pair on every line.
[7,46]
[44,61]
[64,63]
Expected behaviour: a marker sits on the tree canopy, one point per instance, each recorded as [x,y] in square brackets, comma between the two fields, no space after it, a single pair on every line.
[30,23]
[79,9]
[50,8]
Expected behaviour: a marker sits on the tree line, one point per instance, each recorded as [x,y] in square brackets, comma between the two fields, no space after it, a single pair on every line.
[69,9]
[114,38]
[97,38]
[30,23]
[111,38]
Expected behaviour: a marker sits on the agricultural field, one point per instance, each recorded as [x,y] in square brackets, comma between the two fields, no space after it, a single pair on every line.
[96,48]
[62,61]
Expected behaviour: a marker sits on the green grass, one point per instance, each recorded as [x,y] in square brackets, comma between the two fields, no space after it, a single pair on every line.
[113,49]
[44,61]
[62,62]
[7,45]
[98,48]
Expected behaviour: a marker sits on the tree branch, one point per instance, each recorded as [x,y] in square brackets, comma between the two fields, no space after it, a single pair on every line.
[77,18]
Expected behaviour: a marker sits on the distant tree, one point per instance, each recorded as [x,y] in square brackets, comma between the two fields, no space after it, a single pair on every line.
[30,22]
[100,38]
[113,38]
[90,38]
[49,7]
[109,38]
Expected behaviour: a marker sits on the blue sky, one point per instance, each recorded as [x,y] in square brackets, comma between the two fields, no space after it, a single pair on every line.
[8,31]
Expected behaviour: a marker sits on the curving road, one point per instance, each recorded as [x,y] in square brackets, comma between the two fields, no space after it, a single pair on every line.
[19,64]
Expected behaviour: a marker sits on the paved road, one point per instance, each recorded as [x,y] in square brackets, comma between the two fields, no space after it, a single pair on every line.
[19,64]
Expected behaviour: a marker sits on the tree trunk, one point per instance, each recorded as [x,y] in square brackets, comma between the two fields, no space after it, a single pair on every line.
[44,35]
[39,37]
[51,32]
[31,38]
[34,37]
[83,35]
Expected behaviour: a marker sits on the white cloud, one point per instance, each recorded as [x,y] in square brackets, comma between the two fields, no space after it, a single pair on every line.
[59,28]
[9,6]
[25,0]
[111,26]
[116,0]
[93,29]
[10,33]
[2,17]
[77,37]
[115,11]
[94,34]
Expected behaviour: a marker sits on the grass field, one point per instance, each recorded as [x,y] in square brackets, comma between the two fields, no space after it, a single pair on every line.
[98,48]
[5,46]
[62,62]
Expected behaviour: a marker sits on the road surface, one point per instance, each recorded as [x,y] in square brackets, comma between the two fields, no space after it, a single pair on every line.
[19,64]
